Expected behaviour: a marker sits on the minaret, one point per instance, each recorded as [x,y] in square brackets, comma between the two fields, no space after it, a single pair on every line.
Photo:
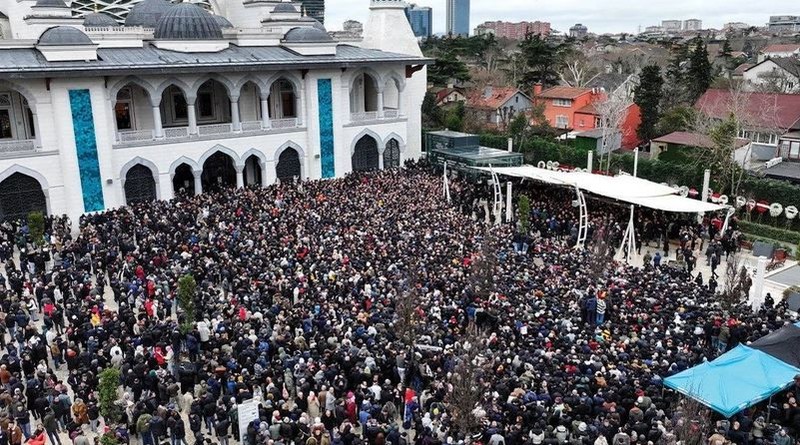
[387,29]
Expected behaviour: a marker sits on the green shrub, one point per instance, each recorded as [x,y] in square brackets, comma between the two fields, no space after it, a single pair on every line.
[36,227]
[524,217]
[788,237]
[186,290]
[107,388]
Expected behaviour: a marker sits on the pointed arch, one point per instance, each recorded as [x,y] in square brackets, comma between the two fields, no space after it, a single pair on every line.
[140,161]
[396,136]
[135,80]
[183,160]
[297,83]
[399,81]
[26,93]
[259,82]
[43,183]
[254,152]
[365,132]
[181,85]
[223,149]
[289,144]
[366,70]
[229,85]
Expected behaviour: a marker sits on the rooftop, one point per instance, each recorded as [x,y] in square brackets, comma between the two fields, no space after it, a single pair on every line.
[689,139]
[495,98]
[786,115]
[781,48]
[28,62]
[786,170]
[564,92]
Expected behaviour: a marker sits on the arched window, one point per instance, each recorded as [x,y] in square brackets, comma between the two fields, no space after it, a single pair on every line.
[139,185]
[391,154]
[21,194]
[218,172]
[288,166]
[365,156]
[183,181]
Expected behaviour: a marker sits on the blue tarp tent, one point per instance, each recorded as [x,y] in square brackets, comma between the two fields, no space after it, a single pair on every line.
[734,381]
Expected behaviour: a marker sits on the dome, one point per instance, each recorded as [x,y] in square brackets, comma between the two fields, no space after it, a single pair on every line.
[187,21]
[222,21]
[50,4]
[306,35]
[285,8]
[99,20]
[63,36]
[147,13]
[319,25]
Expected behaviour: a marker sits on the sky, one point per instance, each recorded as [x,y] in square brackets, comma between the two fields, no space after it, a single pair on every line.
[600,16]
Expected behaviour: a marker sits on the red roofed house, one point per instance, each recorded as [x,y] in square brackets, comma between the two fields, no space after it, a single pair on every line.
[449,95]
[779,50]
[574,109]
[496,106]
[773,127]
[680,139]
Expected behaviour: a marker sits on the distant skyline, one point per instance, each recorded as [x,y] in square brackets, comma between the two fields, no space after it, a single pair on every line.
[611,16]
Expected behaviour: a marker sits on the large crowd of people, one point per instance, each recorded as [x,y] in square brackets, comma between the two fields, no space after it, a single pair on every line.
[365,310]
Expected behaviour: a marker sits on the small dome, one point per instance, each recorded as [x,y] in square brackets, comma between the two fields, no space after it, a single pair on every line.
[63,36]
[319,26]
[286,8]
[187,21]
[50,4]
[222,21]
[147,13]
[99,19]
[306,35]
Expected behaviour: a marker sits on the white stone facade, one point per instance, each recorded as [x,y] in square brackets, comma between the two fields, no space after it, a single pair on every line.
[176,119]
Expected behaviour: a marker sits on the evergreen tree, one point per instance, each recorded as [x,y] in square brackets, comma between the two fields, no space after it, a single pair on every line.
[543,61]
[647,96]
[700,74]
[727,55]
[448,68]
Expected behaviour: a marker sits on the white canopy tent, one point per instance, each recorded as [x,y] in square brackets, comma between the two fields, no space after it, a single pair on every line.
[624,188]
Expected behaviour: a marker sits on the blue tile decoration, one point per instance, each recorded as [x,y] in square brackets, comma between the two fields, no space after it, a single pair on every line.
[86,146]
[325,102]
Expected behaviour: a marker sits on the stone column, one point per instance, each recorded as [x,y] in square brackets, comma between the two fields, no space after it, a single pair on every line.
[198,181]
[265,123]
[380,104]
[36,133]
[192,112]
[237,124]
[298,98]
[400,102]
[239,176]
[158,131]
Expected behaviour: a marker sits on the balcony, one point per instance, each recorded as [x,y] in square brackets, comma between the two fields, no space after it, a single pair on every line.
[361,117]
[17,146]
[213,131]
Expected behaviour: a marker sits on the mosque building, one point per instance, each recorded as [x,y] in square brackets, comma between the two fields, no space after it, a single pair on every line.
[95,114]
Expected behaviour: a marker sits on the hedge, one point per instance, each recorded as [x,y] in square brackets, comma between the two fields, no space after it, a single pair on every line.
[773,233]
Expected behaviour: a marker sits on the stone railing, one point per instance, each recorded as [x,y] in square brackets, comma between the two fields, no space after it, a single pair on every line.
[135,136]
[204,130]
[17,146]
[289,122]
[175,134]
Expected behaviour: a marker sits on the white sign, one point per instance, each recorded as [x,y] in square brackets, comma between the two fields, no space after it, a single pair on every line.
[248,412]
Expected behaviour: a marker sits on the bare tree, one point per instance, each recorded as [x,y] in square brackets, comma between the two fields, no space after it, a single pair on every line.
[466,387]
[578,72]
[776,81]
[735,281]
[612,112]
[692,422]
[738,113]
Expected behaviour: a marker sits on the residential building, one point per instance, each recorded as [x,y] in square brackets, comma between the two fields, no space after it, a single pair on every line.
[692,25]
[735,26]
[772,124]
[315,9]
[180,100]
[784,24]
[778,74]
[457,17]
[513,31]
[573,109]
[496,106]
[448,96]
[421,20]
[578,31]
[672,25]
[779,50]
[684,140]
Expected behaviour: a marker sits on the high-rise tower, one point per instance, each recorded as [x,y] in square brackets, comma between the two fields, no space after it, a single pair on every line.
[457,23]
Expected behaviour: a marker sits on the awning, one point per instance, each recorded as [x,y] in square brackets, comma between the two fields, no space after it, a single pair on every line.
[624,188]
[736,380]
